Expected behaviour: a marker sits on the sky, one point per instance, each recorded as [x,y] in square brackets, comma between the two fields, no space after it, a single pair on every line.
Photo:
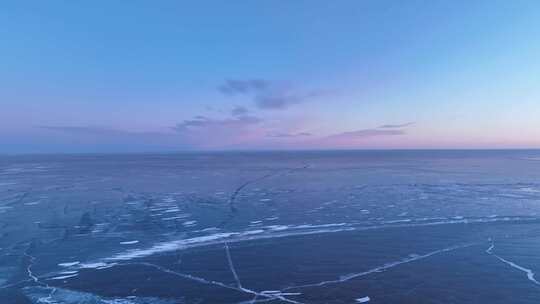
[149,76]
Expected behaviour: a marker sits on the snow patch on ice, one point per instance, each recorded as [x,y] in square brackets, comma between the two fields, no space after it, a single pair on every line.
[129,242]
[363,300]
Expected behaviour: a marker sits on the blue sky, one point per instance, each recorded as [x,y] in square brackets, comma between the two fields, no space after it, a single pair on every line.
[133,76]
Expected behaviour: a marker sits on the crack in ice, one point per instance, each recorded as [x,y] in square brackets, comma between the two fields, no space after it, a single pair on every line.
[231,266]
[272,295]
[31,275]
[412,258]
[530,274]
[35,279]
[236,192]
[211,282]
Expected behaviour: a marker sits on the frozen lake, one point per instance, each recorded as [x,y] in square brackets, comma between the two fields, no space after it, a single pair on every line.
[273,227]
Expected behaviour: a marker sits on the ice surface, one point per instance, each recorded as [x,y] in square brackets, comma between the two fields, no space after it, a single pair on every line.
[302,227]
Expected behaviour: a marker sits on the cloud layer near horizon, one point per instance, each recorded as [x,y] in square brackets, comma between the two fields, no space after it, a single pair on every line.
[234,132]
[240,127]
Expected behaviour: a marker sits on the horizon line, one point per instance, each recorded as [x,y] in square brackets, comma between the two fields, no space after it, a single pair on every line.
[225,151]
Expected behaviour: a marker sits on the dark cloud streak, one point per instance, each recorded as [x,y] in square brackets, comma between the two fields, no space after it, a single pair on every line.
[368,133]
[99,131]
[289,135]
[381,131]
[239,111]
[238,87]
[266,94]
[202,122]
[397,126]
